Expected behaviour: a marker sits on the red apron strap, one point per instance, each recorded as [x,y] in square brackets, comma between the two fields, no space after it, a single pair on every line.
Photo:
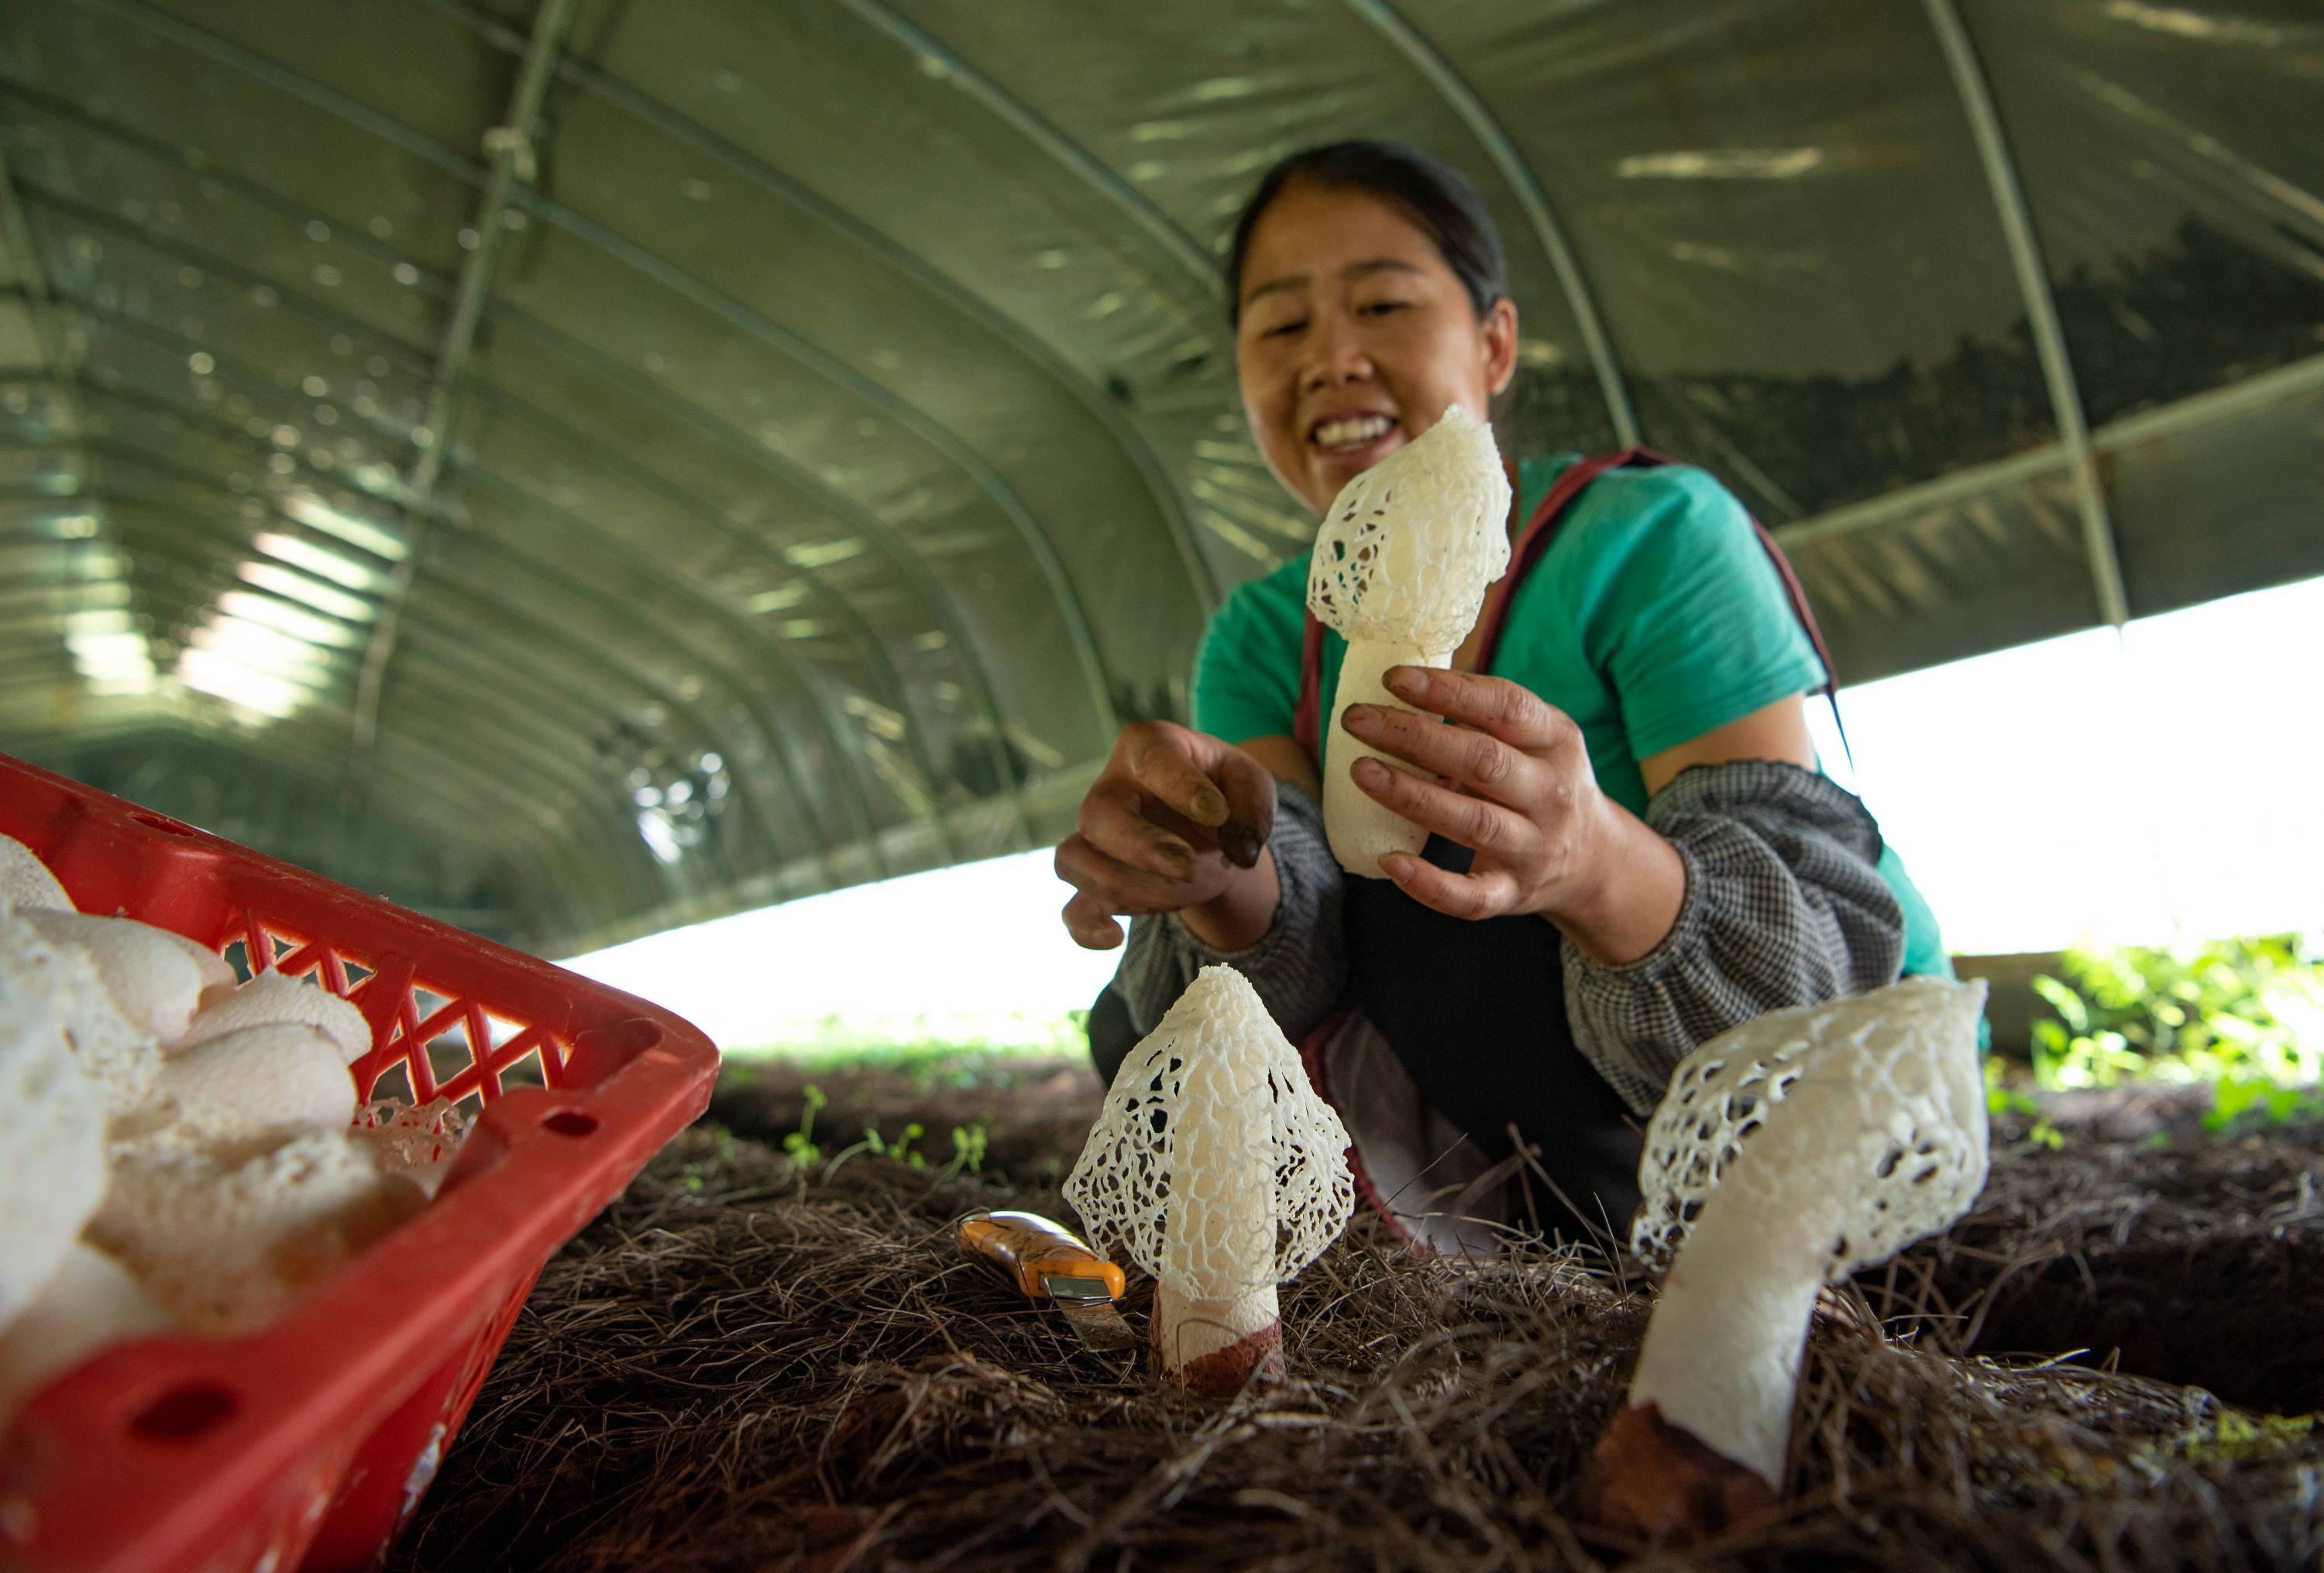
[1306,722]
[1534,540]
[1532,543]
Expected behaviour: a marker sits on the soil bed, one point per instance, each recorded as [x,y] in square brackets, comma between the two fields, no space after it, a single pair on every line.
[2152,1245]
[1033,1112]
[750,1364]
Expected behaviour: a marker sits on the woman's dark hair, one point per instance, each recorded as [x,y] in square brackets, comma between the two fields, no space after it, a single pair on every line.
[1434,195]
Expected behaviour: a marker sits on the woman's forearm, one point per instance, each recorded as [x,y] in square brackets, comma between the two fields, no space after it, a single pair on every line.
[1633,897]
[1240,915]
[1782,902]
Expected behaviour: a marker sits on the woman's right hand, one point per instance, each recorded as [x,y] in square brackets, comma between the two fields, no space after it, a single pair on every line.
[1178,821]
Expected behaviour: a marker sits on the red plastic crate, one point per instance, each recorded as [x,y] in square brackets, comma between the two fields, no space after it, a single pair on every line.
[308,1444]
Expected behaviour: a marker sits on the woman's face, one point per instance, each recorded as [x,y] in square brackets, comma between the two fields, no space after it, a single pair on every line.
[1355,336]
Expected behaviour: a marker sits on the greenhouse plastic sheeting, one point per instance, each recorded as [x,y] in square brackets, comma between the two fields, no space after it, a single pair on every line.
[582,466]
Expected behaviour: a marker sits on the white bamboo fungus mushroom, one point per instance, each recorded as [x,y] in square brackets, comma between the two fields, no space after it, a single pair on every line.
[25,882]
[218,974]
[226,1180]
[274,998]
[123,1060]
[52,1118]
[146,970]
[1216,1168]
[247,1082]
[1401,566]
[227,1243]
[1788,1153]
[88,1303]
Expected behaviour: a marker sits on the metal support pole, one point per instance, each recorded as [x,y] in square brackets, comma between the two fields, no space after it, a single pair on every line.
[510,148]
[943,64]
[1464,101]
[54,338]
[2041,305]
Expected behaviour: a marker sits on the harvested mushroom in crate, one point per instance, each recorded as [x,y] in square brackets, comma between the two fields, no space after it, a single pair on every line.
[191,1155]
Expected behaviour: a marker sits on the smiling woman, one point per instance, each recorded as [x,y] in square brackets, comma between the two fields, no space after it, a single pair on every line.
[1418,267]
[1632,848]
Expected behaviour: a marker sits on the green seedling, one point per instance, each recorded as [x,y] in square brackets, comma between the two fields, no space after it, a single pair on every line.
[967,1150]
[800,1143]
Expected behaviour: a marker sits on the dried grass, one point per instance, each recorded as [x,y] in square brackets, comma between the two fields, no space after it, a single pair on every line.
[740,1367]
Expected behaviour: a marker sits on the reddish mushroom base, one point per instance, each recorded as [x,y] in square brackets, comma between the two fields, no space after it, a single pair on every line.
[1224,1372]
[1663,1484]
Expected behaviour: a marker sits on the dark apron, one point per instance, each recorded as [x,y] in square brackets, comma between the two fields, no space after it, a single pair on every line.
[1475,1011]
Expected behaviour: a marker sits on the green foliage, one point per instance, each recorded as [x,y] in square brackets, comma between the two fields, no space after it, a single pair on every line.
[900,1149]
[2244,1017]
[800,1143]
[2236,1437]
[879,1146]
[967,1149]
[2002,1097]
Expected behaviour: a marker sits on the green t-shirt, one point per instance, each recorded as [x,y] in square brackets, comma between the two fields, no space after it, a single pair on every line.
[1654,617]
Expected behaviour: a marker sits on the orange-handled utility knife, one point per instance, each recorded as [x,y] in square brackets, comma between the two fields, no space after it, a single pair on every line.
[1047,1261]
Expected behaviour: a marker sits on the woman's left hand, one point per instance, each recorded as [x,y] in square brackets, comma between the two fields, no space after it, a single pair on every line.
[1521,794]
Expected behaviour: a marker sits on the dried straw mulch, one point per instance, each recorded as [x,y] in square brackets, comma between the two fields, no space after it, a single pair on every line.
[745,1366]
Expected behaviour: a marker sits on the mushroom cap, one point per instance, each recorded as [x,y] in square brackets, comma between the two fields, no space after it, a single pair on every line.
[88,1302]
[53,1117]
[147,970]
[218,978]
[226,1245]
[123,1059]
[25,882]
[274,997]
[1869,1109]
[283,1073]
[1259,1114]
[1410,544]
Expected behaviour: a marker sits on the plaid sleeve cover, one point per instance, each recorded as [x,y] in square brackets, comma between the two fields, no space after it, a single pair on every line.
[1784,905]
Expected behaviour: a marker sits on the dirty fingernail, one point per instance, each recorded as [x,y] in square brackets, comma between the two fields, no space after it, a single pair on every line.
[1241,844]
[1209,805]
[1361,718]
[1371,773]
[1409,681]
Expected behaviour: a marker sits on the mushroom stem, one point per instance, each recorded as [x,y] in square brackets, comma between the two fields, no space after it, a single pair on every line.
[1216,1347]
[1221,1235]
[1361,830]
[1703,1442]
[1788,1153]
[1722,1354]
